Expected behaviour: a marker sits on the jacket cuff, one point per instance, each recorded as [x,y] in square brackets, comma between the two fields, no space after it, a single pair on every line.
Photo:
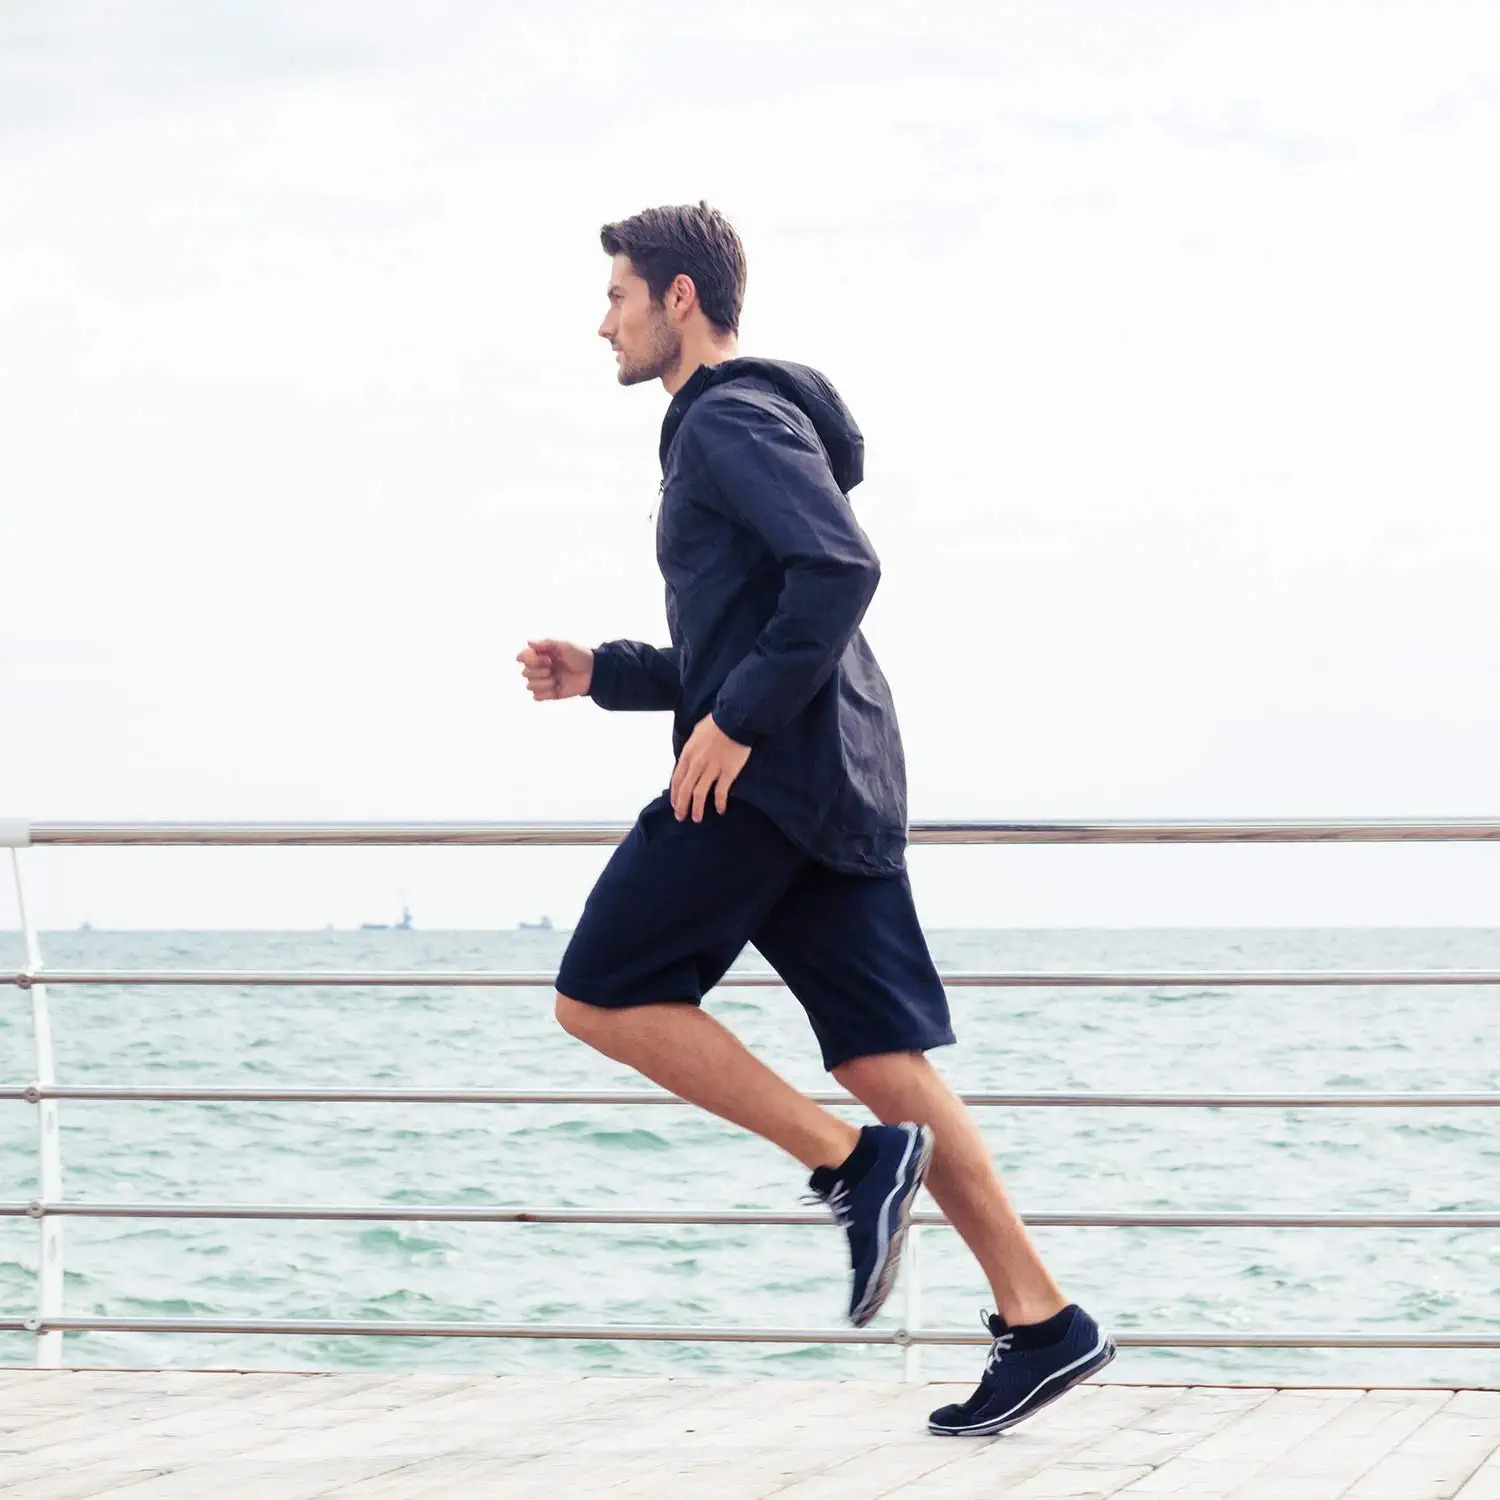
[734,726]
[605,677]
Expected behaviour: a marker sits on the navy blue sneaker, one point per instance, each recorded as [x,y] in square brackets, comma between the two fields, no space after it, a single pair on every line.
[1022,1375]
[871,1195]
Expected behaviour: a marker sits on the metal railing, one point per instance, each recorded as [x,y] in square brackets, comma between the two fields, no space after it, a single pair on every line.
[49,1208]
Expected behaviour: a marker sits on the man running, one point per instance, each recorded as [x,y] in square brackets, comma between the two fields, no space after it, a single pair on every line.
[785,822]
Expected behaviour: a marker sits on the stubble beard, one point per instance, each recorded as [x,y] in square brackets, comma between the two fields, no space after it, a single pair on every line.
[663,354]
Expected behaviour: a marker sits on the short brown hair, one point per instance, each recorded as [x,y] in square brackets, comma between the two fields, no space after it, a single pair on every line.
[688,240]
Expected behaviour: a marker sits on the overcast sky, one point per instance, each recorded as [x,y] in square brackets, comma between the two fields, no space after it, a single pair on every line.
[1171,327]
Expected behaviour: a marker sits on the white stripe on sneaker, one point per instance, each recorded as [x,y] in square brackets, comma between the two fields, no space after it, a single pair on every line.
[1008,1417]
[900,1193]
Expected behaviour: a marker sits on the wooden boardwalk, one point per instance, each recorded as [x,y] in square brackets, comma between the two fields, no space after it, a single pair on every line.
[66,1435]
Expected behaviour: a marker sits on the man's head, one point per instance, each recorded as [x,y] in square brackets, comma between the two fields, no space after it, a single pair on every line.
[677,283]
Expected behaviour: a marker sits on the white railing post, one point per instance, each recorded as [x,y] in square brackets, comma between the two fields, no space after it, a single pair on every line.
[49,1292]
[911,1316]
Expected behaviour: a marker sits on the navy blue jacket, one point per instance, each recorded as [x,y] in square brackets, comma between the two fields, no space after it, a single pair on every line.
[768,576]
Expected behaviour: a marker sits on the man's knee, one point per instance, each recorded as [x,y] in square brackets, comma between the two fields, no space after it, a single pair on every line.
[578,1018]
[882,1083]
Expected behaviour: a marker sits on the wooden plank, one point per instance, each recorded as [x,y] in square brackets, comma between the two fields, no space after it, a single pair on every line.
[655,1421]
[64,1395]
[982,1468]
[838,1473]
[67,1484]
[153,1431]
[103,1428]
[1079,1481]
[1435,1461]
[250,1479]
[1485,1482]
[450,1476]
[1339,1453]
[1156,1437]
[1247,1445]
[1123,1455]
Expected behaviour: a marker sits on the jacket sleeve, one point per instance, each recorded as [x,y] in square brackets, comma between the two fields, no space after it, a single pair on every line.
[632,675]
[774,480]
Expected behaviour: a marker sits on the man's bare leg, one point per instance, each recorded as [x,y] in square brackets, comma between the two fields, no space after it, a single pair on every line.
[905,1086]
[690,1054]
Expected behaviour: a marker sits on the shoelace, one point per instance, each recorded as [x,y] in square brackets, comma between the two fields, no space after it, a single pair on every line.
[838,1204]
[998,1348]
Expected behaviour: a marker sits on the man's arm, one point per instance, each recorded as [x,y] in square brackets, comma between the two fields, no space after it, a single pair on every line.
[775,481]
[618,674]
[630,675]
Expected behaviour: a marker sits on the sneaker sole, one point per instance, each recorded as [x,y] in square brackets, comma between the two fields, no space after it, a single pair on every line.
[883,1278]
[1032,1403]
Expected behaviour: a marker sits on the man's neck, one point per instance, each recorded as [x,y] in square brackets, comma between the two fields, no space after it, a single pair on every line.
[705,354]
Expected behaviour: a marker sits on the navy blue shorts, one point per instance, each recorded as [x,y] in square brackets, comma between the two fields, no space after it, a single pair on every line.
[677,903]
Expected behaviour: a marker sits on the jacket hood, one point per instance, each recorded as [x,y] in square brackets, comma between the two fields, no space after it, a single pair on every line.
[804,387]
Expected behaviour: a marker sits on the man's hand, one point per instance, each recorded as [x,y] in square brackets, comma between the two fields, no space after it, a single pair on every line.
[710,760]
[556,669]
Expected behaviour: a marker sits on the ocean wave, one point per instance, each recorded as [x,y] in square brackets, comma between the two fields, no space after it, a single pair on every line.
[389,1239]
[637,1139]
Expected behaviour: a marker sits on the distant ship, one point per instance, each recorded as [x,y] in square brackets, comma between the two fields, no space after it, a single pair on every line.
[545,925]
[404,925]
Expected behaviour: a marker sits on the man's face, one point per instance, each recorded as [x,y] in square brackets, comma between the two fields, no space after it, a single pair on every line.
[647,344]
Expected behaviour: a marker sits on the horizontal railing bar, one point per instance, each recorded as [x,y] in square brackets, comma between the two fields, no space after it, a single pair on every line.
[147,1093]
[544,979]
[923,831]
[359,1328]
[436,1213]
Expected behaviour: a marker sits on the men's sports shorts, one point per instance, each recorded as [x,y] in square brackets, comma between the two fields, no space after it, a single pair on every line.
[678,901]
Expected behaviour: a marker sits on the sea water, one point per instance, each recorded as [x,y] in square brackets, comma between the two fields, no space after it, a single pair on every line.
[1198,1039]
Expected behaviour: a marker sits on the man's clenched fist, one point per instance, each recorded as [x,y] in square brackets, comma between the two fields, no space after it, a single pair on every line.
[556,669]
